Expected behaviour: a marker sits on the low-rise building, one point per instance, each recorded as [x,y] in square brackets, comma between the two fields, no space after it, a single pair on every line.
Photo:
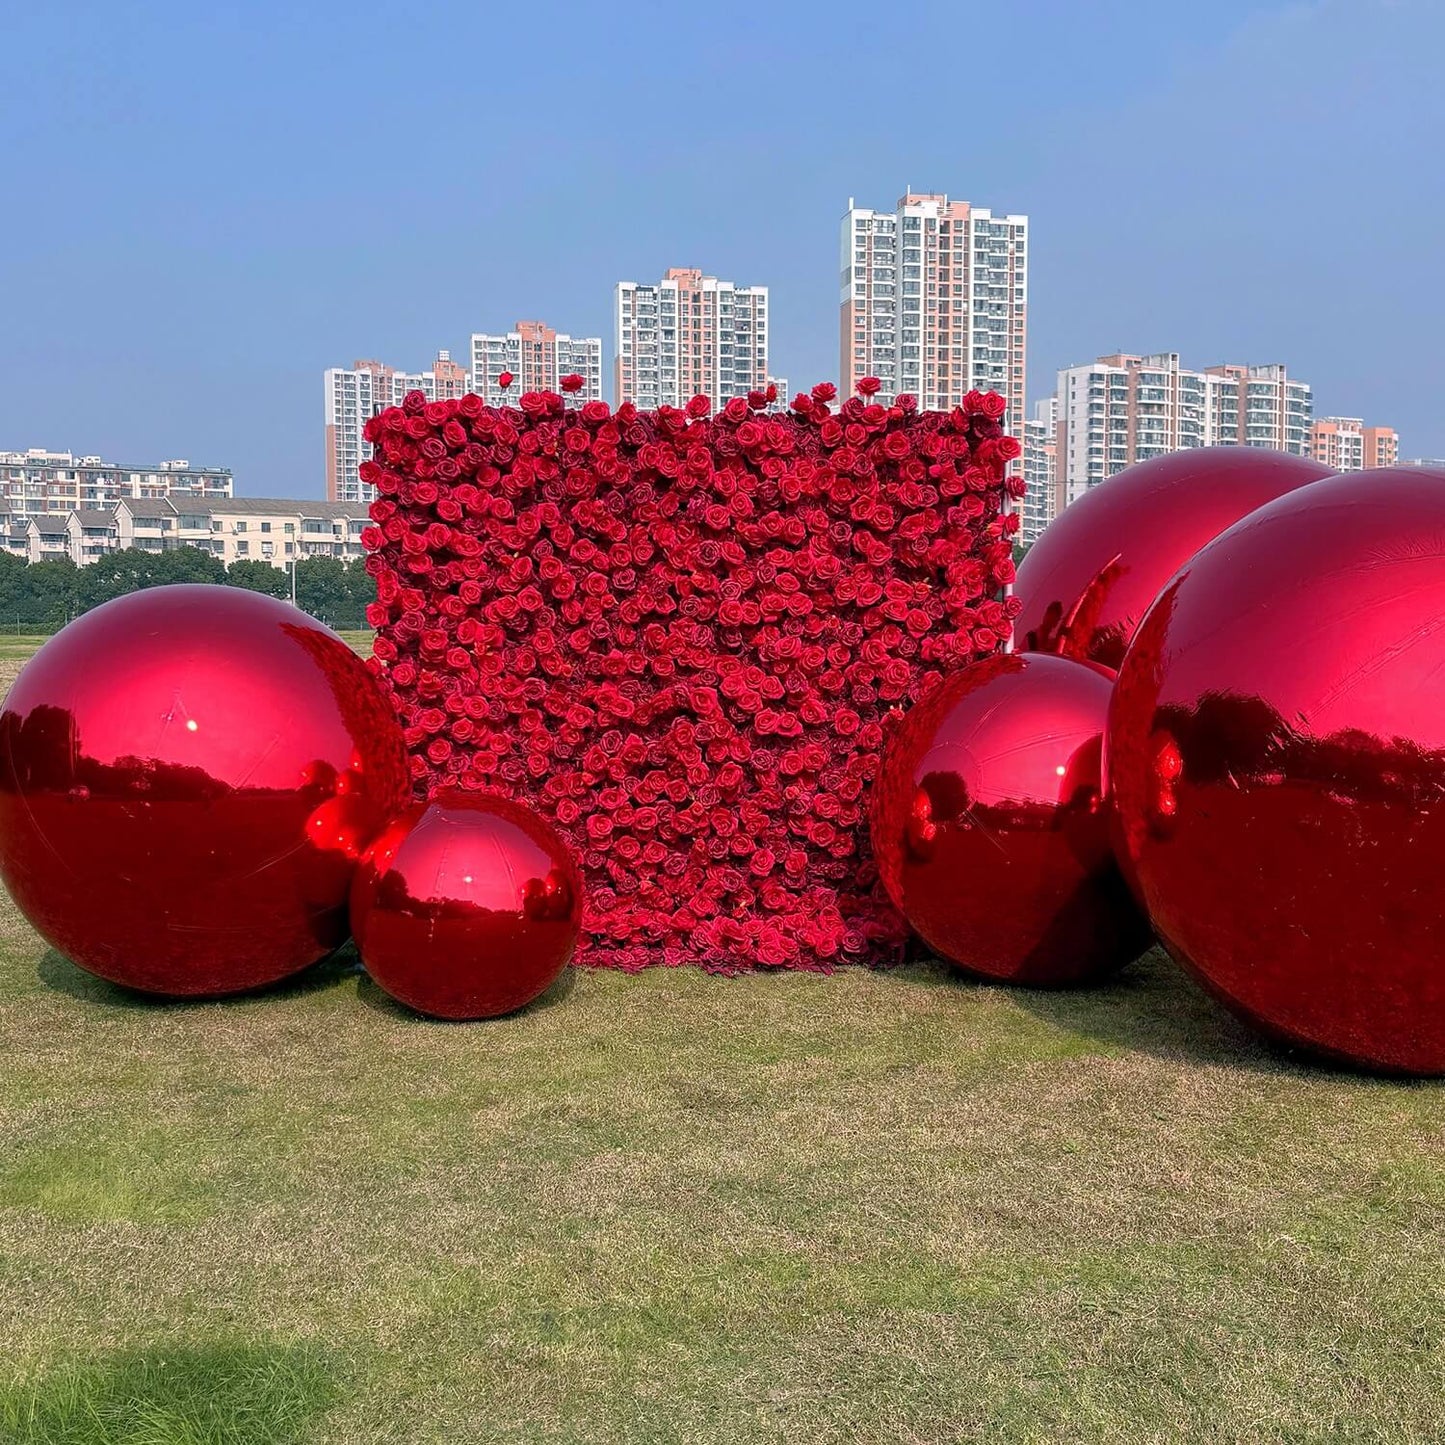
[12,532]
[45,539]
[89,534]
[278,530]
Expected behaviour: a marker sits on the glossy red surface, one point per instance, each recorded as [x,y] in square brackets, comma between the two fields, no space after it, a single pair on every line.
[187,778]
[466,907]
[1276,751]
[990,829]
[1086,584]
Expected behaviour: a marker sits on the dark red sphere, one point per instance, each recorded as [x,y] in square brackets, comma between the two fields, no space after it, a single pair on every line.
[990,829]
[188,776]
[466,907]
[1276,751]
[1086,584]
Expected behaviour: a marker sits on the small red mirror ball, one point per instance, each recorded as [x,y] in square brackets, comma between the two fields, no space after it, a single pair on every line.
[990,828]
[466,907]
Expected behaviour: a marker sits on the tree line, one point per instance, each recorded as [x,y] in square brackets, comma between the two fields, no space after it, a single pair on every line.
[44,596]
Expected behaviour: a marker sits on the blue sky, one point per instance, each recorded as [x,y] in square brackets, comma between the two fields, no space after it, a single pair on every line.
[206,204]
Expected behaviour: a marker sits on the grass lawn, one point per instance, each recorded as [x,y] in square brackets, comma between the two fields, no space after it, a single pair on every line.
[867,1208]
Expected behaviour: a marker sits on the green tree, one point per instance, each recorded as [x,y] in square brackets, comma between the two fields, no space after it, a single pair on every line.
[52,594]
[14,588]
[360,593]
[259,577]
[321,589]
[133,568]
[189,564]
[117,573]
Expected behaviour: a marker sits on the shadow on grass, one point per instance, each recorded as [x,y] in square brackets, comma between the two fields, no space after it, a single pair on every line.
[174,1394]
[1154,1006]
[375,997]
[58,973]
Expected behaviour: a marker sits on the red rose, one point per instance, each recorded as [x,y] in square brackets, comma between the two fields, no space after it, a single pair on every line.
[572,382]
[869,386]
[505,379]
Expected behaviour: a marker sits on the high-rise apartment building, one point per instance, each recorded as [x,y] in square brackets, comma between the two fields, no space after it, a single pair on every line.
[537,357]
[1043,500]
[1346,444]
[356,393]
[1122,409]
[935,302]
[42,483]
[1258,406]
[686,335]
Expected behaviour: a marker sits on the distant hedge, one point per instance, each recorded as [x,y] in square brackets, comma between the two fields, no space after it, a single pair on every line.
[44,596]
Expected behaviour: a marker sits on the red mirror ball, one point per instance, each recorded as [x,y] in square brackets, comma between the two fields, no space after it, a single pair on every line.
[467,907]
[990,828]
[188,776]
[1086,584]
[1276,757]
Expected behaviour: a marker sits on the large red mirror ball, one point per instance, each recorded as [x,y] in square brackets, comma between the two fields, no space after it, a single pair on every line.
[467,907]
[1087,582]
[187,778]
[1276,751]
[990,827]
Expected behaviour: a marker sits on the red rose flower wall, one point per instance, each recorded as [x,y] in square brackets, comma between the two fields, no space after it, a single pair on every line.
[682,636]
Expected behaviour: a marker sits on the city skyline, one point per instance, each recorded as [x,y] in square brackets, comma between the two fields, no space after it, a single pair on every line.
[200,311]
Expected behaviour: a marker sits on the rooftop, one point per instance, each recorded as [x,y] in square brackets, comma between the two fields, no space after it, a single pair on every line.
[39,457]
[288,506]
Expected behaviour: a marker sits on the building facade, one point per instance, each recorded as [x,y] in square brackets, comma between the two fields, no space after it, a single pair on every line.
[1258,406]
[1346,444]
[1043,500]
[537,357]
[1122,409]
[40,483]
[689,334]
[275,530]
[934,301]
[280,530]
[356,393]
